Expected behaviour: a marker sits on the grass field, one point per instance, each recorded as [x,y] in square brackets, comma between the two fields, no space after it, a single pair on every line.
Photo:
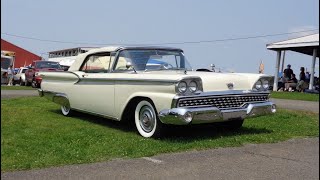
[295,96]
[17,88]
[34,134]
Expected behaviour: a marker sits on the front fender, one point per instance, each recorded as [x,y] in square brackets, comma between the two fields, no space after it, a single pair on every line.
[160,100]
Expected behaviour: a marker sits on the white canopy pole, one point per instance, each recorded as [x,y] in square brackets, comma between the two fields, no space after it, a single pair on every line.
[312,68]
[283,56]
[276,74]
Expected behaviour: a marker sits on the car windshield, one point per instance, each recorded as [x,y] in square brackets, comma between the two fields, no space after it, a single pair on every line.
[47,64]
[5,63]
[152,60]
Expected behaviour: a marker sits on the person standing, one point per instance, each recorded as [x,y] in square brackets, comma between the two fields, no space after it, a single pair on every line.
[10,75]
[302,84]
[288,72]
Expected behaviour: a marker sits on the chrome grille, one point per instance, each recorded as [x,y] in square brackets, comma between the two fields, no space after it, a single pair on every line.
[222,102]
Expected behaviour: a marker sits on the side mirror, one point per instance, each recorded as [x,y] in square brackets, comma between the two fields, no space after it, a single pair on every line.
[128,65]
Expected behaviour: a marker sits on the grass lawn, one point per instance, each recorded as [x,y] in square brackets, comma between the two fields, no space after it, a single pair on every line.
[295,96]
[17,88]
[34,134]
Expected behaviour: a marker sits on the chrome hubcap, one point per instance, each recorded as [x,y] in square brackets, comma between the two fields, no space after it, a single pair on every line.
[147,119]
[66,109]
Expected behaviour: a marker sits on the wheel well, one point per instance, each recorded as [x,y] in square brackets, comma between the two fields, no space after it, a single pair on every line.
[128,113]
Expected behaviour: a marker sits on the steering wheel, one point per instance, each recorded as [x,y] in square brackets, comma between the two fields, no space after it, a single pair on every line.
[166,66]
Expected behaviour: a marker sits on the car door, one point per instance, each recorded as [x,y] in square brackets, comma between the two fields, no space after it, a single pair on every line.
[94,92]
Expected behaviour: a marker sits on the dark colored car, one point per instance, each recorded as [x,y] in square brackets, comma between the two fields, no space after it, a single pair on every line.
[40,66]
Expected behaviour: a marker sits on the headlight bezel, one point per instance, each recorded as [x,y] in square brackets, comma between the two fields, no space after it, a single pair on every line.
[264,83]
[189,90]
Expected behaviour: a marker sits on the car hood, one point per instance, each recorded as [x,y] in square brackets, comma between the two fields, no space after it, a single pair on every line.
[211,81]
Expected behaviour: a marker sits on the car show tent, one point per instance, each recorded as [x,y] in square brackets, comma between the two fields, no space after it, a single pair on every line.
[308,45]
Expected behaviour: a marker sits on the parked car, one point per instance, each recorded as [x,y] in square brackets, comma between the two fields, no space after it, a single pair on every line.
[115,82]
[40,66]
[19,77]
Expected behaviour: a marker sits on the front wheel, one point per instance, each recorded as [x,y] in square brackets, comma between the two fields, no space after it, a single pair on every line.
[34,84]
[146,120]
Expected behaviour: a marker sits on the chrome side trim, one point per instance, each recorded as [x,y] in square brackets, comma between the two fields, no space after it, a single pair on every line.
[128,80]
[148,48]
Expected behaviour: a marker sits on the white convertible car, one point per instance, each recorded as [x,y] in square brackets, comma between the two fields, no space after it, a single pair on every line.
[153,86]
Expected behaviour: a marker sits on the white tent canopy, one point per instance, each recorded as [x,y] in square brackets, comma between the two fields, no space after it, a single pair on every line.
[307,45]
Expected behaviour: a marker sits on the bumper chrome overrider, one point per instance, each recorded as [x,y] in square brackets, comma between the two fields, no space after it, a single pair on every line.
[181,116]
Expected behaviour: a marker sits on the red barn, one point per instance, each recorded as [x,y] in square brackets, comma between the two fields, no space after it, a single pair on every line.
[23,57]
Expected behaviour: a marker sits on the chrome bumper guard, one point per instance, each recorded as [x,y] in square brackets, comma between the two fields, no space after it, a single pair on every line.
[185,115]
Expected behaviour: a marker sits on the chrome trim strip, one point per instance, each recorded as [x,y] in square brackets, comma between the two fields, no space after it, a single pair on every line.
[148,48]
[128,80]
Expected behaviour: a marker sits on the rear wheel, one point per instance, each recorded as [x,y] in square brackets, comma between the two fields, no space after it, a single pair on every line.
[146,120]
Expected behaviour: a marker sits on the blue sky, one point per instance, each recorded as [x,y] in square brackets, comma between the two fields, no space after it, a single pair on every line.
[153,22]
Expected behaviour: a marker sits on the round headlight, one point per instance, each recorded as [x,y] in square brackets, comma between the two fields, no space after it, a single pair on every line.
[265,84]
[258,85]
[193,86]
[182,87]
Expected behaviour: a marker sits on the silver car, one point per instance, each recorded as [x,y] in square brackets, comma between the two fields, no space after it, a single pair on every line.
[20,77]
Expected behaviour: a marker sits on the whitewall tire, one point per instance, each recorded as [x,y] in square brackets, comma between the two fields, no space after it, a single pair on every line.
[66,110]
[146,120]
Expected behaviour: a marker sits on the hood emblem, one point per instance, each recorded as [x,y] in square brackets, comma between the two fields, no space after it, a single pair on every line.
[230,85]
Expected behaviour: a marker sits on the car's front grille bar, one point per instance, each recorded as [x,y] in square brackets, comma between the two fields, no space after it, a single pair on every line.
[222,102]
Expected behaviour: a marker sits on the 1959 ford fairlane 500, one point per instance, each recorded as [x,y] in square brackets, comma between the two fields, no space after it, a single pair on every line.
[153,86]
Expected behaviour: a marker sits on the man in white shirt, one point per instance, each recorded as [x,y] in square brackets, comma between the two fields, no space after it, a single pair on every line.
[10,75]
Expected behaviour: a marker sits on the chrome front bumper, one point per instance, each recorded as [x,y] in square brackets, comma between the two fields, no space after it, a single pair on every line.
[182,116]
